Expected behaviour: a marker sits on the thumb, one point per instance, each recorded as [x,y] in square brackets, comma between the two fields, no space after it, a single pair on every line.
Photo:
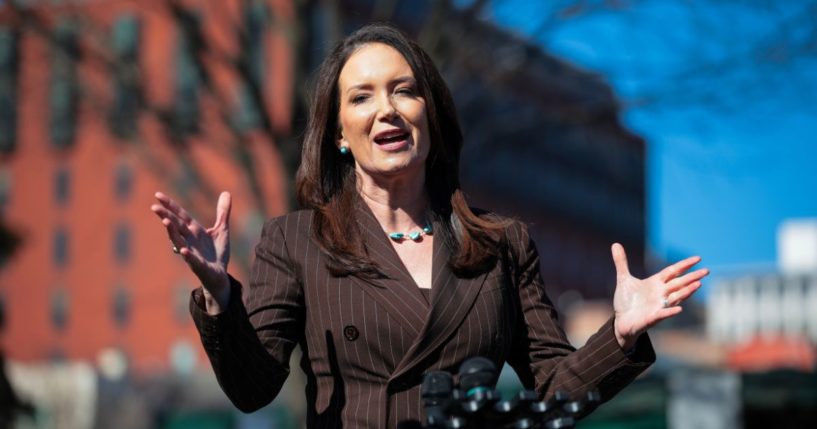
[223,208]
[620,260]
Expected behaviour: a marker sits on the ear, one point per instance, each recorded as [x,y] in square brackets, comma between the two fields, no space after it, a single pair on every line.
[340,139]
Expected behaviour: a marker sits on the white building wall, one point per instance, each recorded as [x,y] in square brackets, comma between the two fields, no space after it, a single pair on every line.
[793,308]
[797,246]
[811,309]
[770,306]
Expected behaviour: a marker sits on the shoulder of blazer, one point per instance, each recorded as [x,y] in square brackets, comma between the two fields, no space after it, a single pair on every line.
[293,225]
[294,228]
[516,235]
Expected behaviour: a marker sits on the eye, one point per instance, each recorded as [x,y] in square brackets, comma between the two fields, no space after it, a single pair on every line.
[357,99]
[405,90]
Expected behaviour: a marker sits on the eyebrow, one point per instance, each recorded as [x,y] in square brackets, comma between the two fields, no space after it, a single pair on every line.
[399,80]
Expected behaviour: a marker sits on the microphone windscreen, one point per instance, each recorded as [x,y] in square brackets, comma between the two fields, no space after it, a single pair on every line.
[436,385]
[477,372]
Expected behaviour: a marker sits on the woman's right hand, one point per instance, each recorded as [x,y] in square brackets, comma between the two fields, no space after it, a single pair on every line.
[206,250]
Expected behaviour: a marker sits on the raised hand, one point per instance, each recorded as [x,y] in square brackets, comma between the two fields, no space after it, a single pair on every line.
[206,250]
[641,303]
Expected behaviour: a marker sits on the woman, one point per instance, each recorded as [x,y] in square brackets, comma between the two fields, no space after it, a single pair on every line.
[388,274]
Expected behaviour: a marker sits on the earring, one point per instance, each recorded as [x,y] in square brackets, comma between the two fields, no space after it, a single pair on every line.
[344,150]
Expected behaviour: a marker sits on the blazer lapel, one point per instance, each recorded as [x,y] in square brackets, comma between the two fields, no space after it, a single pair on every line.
[452,298]
[396,293]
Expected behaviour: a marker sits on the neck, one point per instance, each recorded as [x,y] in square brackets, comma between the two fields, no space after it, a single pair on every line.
[398,204]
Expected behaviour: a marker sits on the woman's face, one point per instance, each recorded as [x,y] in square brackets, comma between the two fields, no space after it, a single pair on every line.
[382,115]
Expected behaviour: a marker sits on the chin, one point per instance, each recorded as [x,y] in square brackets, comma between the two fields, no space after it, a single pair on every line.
[393,168]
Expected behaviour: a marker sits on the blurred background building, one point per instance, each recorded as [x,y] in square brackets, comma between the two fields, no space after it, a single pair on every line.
[768,320]
[102,103]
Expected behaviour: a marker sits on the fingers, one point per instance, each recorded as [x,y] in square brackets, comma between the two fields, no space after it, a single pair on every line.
[668,312]
[173,207]
[680,295]
[190,257]
[687,279]
[223,208]
[620,260]
[678,268]
[193,259]
[165,214]
[173,233]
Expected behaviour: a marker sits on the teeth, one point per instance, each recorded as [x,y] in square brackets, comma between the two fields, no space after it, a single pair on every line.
[390,139]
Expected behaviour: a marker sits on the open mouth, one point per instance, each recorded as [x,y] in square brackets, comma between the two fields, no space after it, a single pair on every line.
[392,136]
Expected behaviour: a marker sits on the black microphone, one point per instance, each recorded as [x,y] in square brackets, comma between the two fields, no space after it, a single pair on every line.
[551,408]
[436,392]
[477,379]
[477,375]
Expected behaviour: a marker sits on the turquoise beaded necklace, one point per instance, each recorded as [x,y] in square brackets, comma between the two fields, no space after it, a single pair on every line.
[414,236]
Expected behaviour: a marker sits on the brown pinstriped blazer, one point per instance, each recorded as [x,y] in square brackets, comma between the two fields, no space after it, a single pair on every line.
[367,343]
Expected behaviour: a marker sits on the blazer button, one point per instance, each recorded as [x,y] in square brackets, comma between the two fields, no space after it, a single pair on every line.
[350,332]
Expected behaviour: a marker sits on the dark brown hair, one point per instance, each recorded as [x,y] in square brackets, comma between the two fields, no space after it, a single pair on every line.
[326,180]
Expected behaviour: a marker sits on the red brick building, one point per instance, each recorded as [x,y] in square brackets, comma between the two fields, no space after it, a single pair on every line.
[104,103]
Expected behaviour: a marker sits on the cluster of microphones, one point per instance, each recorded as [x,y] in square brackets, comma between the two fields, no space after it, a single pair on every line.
[475,404]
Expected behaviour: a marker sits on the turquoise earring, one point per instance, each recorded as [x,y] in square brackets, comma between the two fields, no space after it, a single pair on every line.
[344,150]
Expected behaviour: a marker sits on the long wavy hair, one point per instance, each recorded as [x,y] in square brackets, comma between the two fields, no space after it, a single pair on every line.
[326,180]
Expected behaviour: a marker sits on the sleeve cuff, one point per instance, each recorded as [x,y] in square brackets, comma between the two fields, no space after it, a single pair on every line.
[642,351]
[210,326]
[641,354]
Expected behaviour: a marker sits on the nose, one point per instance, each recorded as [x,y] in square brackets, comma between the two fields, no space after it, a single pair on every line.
[386,109]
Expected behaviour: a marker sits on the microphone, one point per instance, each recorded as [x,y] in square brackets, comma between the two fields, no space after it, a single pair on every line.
[436,392]
[550,409]
[517,409]
[475,404]
[477,375]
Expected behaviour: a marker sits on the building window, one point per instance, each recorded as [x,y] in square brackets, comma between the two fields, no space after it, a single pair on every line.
[60,247]
[121,306]
[62,186]
[188,76]
[186,179]
[64,89]
[122,244]
[59,309]
[123,182]
[9,239]
[250,92]
[124,113]
[5,188]
[57,356]
[9,65]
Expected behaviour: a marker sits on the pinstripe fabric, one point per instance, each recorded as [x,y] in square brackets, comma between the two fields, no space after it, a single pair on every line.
[366,343]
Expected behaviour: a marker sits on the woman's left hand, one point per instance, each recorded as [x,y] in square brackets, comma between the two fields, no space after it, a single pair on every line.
[641,303]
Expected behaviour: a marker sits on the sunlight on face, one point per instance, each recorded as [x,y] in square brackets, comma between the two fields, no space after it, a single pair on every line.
[382,115]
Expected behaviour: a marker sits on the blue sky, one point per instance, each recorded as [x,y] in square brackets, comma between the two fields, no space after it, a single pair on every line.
[731,148]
